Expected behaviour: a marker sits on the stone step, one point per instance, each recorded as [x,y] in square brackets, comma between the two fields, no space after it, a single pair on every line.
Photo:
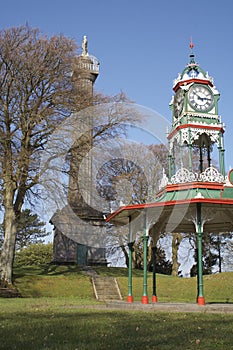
[106,288]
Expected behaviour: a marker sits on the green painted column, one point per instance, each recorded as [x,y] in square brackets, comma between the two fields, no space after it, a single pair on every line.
[201,160]
[145,240]
[130,245]
[221,151]
[154,295]
[130,284]
[181,150]
[223,163]
[199,229]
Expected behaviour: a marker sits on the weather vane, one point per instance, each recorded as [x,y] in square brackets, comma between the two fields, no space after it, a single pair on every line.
[191,45]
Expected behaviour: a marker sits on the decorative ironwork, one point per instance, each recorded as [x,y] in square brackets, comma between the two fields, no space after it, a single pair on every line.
[213,134]
[194,134]
[211,175]
[183,175]
[185,136]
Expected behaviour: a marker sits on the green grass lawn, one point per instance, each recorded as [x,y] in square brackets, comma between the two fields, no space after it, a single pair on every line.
[57,311]
[40,323]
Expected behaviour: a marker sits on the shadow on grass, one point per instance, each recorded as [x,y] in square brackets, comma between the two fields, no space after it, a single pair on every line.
[49,269]
[92,330]
[220,302]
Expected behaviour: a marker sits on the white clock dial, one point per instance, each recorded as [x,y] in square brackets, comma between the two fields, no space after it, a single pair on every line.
[200,97]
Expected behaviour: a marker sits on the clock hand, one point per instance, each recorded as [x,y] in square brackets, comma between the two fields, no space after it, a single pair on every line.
[204,98]
[198,96]
[201,98]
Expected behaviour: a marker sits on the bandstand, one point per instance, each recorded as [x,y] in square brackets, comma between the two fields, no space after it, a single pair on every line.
[196,196]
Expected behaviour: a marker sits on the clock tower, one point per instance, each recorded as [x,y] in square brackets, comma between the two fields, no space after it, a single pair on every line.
[196,197]
[196,126]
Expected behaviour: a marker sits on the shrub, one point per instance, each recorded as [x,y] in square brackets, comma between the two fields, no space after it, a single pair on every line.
[35,254]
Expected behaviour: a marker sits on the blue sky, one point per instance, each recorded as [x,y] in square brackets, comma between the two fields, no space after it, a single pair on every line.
[142,45]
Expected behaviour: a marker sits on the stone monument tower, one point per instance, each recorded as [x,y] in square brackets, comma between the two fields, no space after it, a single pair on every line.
[85,70]
[80,226]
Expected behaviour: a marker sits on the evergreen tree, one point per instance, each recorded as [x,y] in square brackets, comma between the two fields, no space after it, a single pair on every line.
[163,265]
[209,258]
[29,230]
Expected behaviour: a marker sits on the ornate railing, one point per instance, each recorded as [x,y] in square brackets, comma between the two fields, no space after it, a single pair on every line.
[184,175]
[211,175]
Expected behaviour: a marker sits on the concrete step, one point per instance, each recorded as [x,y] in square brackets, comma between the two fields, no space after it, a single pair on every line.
[106,288]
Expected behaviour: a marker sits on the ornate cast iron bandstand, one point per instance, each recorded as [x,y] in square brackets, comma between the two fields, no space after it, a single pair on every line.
[195,196]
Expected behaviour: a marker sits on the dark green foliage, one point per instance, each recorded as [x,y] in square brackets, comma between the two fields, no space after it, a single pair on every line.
[217,252]
[163,265]
[34,254]
[210,256]
[29,230]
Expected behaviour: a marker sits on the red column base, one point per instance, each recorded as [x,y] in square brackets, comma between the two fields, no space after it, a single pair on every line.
[130,299]
[145,299]
[154,298]
[201,300]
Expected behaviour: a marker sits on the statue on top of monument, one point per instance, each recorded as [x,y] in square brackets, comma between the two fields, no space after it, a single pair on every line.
[84,46]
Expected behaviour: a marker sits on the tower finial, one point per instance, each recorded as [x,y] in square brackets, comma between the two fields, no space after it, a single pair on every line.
[191,45]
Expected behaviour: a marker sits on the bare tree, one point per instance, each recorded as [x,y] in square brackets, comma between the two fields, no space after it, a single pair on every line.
[37,94]
[131,178]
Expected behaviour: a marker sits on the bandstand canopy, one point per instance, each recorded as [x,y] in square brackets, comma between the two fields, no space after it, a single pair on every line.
[175,209]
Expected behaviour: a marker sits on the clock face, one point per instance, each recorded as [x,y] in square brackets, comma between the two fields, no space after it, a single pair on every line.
[178,103]
[200,98]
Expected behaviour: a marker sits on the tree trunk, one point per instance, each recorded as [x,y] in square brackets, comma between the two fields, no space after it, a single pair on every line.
[10,230]
[125,252]
[126,255]
[8,247]
[176,240]
[149,256]
[133,259]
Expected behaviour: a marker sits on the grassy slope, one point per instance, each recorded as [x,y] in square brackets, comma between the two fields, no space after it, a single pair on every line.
[70,281]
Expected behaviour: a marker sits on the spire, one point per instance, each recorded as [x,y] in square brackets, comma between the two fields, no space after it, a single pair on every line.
[191,45]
